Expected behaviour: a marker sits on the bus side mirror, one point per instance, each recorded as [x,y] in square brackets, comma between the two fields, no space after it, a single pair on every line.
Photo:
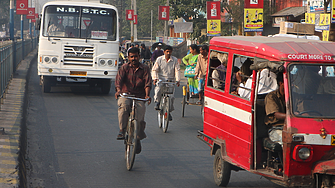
[38,24]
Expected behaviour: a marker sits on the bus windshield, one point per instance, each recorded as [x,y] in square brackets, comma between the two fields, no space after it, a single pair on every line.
[80,22]
[312,90]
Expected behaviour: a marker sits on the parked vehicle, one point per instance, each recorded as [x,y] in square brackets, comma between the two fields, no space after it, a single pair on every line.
[234,126]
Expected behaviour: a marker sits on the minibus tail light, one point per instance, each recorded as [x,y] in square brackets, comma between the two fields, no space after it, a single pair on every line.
[302,153]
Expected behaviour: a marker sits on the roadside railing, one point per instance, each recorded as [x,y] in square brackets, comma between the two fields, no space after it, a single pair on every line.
[11,54]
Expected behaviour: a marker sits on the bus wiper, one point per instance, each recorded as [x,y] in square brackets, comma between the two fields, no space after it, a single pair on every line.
[87,31]
[48,29]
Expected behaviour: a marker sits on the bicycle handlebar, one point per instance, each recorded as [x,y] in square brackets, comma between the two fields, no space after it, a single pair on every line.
[166,82]
[124,95]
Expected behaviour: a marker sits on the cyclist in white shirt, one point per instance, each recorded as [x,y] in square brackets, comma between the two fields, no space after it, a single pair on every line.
[166,68]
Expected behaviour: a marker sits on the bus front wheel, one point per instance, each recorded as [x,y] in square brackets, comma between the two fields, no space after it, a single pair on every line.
[46,85]
[106,86]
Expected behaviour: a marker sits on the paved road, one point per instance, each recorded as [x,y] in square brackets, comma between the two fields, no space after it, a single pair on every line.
[72,143]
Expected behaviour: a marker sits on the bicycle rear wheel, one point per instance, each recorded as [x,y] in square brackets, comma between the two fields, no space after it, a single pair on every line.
[131,143]
[166,114]
[160,113]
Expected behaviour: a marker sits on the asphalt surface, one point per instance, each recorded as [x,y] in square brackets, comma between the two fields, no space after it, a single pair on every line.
[71,142]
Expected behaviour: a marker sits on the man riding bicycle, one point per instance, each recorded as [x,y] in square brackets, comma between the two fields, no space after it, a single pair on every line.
[166,68]
[133,78]
[145,54]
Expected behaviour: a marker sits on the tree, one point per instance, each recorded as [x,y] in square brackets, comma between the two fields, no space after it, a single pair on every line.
[144,18]
[191,11]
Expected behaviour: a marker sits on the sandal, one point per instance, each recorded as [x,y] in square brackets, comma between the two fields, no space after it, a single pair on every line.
[198,102]
[120,136]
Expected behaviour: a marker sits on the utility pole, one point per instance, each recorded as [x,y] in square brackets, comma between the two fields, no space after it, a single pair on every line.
[166,28]
[22,37]
[11,21]
[151,26]
[132,23]
[135,25]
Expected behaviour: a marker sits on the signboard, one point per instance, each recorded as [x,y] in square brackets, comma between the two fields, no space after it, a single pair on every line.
[253,4]
[99,34]
[325,35]
[317,6]
[277,21]
[31,13]
[22,7]
[309,57]
[310,18]
[324,19]
[213,10]
[253,19]
[333,11]
[213,27]
[164,13]
[135,19]
[130,15]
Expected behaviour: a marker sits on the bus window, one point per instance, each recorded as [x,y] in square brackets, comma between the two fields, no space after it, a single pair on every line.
[241,76]
[216,76]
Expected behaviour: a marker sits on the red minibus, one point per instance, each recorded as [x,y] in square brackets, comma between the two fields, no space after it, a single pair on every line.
[236,116]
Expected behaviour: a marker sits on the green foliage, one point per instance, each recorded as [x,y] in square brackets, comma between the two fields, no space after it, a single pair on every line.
[4,12]
[144,8]
[144,18]
[191,11]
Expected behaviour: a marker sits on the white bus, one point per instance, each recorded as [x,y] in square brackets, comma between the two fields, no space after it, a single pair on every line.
[79,42]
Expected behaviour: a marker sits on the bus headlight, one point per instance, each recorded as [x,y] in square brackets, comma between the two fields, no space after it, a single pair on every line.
[47,59]
[303,153]
[54,59]
[102,62]
[110,62]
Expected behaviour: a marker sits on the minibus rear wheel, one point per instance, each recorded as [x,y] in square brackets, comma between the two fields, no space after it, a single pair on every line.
[221,170]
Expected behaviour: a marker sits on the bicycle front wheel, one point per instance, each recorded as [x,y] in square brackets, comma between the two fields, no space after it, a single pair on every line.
[166,114]
[160,118]
[131,143]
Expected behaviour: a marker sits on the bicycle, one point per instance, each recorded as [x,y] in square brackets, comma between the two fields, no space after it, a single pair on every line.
[191,100]
[147,62]
[164,106]
[131,132]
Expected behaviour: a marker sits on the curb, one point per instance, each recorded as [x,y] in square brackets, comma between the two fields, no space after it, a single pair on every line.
[12,128]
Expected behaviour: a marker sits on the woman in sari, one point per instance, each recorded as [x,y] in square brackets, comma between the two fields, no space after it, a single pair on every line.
[192,59]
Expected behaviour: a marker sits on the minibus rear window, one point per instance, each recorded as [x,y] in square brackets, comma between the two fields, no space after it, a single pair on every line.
[242,67]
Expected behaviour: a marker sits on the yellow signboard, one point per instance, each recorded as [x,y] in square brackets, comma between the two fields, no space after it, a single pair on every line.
[253,19]
[325,35]
[306,17]
[213,27]
[324,19]
[311,18]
